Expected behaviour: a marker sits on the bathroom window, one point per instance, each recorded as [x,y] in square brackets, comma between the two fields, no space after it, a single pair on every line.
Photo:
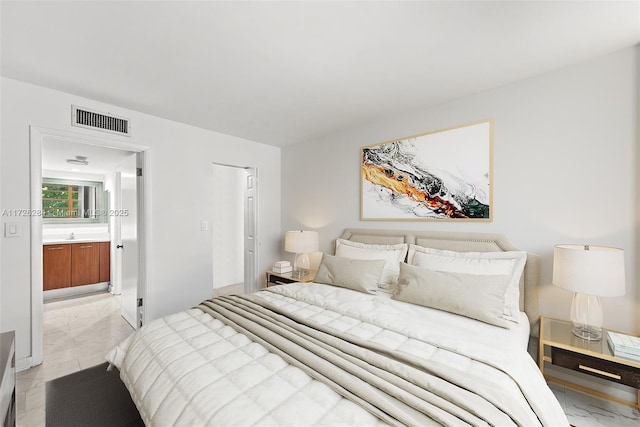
[66,201]
[60,200]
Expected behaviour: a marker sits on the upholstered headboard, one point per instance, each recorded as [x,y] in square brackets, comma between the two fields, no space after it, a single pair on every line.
[461,242]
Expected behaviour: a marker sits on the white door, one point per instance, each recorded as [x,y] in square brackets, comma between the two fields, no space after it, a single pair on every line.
[128,243]
[250,227]
[115,227]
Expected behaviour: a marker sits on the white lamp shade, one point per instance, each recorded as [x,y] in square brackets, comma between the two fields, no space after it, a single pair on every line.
[301,241]
[589,270]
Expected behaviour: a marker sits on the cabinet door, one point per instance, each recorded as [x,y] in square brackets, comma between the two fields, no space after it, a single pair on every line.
[105,261]
[56,266]
[85,264]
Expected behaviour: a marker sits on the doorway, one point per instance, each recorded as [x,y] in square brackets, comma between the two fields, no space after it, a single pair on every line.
[131,159]
[234,229]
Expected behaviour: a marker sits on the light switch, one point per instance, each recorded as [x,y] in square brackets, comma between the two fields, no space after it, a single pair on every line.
[11,229]
[204,225]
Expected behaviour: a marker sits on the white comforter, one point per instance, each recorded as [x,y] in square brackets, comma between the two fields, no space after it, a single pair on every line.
[191,369]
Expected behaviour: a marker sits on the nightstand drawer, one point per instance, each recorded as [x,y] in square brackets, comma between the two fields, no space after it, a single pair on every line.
[272,279]
[286,278]
[627,375]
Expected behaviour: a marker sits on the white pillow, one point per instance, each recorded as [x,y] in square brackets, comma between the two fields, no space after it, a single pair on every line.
[510,263]
[392,254]
[357,274]
[479,297]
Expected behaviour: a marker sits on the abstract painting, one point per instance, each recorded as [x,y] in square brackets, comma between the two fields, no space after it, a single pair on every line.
[441,175]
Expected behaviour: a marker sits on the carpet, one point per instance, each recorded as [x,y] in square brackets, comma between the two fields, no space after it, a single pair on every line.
[93,397]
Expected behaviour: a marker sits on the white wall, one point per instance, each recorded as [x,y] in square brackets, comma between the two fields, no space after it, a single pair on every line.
[565,170]
[2,328]
[179,173]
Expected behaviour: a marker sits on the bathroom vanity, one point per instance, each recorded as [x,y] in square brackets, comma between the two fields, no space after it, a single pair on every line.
[67,264]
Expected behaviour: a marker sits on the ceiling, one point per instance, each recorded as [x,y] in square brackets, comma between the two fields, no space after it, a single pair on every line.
[287,72]
[102,160]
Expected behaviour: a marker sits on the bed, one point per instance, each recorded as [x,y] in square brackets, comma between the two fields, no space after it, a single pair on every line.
[364,344]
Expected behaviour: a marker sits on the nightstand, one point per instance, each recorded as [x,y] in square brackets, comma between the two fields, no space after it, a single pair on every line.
[284,278]
[560,347]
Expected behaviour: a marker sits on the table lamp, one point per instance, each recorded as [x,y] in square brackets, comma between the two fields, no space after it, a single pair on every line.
[301,243]
[591,272]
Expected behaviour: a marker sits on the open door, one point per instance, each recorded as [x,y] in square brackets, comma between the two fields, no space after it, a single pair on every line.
[134,235]
[250,226]
[234,229]
[128,245]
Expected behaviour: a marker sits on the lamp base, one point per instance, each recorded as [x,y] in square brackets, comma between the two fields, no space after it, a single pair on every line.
[299,274]
[586,317]
[300,266]
[587,332]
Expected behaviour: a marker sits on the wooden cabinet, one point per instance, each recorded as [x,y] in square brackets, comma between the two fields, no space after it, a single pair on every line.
[606,369]
[56,266]
[85,263]
[105,261]
[75,264]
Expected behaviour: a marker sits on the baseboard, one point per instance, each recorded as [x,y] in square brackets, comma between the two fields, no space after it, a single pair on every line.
[23,364]
[74,291]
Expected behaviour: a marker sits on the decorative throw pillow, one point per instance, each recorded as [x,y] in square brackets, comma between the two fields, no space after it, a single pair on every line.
[393,255]
[479,297]
[510,263]
[357,274]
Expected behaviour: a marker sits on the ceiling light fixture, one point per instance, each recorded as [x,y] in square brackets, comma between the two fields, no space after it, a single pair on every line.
[79,160]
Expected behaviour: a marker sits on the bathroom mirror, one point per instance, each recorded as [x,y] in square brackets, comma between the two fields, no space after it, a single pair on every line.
[73,201]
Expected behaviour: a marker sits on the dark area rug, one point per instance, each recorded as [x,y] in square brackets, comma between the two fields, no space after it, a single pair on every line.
[93,397]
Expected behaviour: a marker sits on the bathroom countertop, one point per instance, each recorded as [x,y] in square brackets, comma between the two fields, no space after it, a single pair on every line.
[59,241]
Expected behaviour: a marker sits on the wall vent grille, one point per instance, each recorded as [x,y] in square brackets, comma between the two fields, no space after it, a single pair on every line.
[85,118]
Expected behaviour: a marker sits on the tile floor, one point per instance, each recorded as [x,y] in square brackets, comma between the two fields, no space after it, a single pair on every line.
[586,411]
[80,331]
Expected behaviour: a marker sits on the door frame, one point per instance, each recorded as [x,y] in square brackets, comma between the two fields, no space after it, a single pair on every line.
[249,270]
[37,135]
